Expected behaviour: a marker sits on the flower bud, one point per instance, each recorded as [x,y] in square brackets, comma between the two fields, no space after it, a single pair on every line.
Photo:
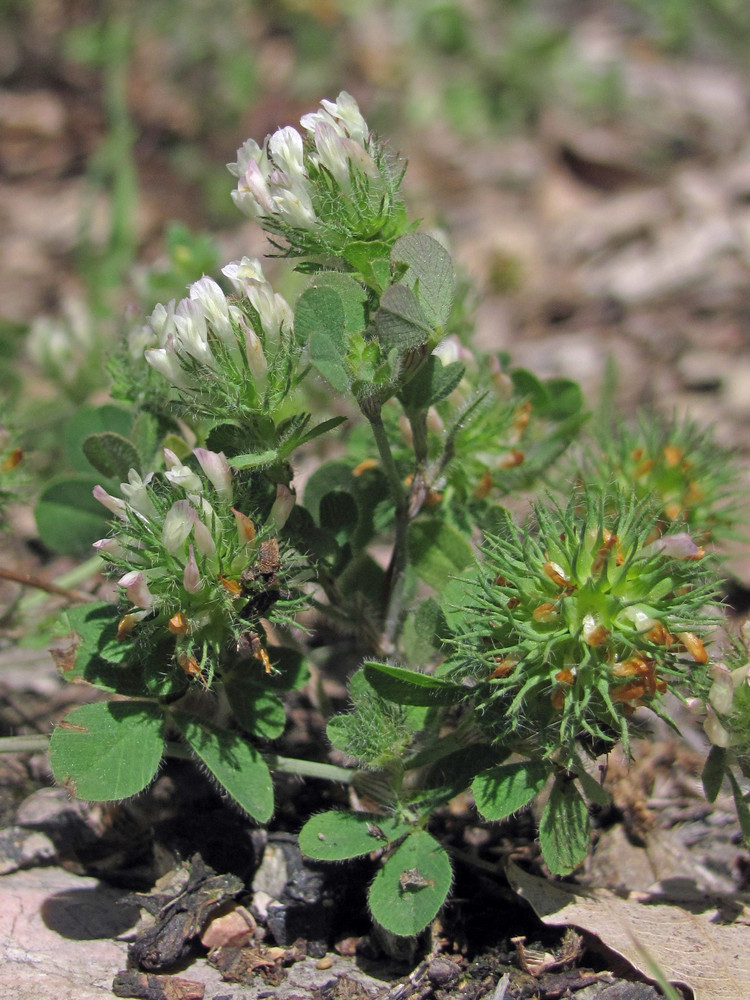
[721,694]
[178,523]
[192,332]
[245,527]
[114,504]
[204,540]
[282,507]
[136,589]
[714,730]
[179,474]
[109,547]
[136,494]
[217,470]
[215,308]
[191,576]
[164,360]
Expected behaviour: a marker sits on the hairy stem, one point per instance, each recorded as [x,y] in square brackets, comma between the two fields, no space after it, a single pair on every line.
[396,572]
[286,765]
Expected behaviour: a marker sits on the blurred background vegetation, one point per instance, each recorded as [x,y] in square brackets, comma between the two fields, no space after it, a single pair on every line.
[118,118]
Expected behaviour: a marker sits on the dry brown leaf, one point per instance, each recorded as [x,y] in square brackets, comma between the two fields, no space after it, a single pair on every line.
[692,949]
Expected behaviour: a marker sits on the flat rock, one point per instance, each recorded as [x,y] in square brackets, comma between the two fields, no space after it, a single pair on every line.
[61,938]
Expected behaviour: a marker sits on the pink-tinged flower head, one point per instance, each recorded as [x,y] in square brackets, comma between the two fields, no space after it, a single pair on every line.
[252,195]
[114,504]
[249,152]
[677,546]
[343,115]
[191,578]
[204,540]
[136,589]
[217,470]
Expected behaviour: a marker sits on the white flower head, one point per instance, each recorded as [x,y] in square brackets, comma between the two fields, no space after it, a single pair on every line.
[252,195]
[274,311]
[161,321]
[292,201]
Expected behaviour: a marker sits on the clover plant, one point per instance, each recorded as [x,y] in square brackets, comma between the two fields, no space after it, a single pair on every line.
[494,651]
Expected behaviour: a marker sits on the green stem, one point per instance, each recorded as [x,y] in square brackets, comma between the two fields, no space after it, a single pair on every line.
[23,744]
[312,769]
[286,765]
[396,574]
[398,493]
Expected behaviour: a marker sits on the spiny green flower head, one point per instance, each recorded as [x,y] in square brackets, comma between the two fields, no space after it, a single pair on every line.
[676,461]
[321,190]
[193,566]
[579,620]
[224,356]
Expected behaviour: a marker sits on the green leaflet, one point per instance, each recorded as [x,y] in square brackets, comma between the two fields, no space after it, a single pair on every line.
[564,830]
[410,888]
[504,790]
[108,750]
[335,836]
[236,765]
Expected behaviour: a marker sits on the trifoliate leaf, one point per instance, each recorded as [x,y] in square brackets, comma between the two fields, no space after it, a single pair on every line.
[90,420]
[352,295]
[400,322]
[68,518]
